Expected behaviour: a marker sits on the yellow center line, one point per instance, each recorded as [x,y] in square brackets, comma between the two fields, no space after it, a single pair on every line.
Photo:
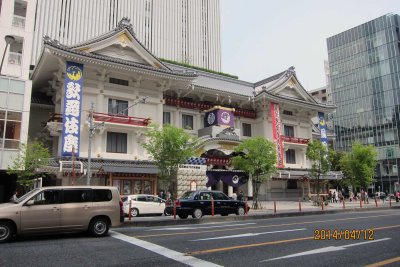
[258,227]
[382,263]
[249,245]
[270,243]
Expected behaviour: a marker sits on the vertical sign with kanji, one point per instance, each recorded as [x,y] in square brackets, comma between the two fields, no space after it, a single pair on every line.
[322,128]
[72,109]
[277,132]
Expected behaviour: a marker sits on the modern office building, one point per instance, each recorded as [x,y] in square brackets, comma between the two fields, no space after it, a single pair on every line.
[364,64]
[180,30]
[16,35]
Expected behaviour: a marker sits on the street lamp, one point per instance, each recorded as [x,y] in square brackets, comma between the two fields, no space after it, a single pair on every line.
[9,40]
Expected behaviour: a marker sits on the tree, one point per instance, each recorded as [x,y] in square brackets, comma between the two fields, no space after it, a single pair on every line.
[168,146]
[32,156]
[359,165]
[257,157]
[318,154]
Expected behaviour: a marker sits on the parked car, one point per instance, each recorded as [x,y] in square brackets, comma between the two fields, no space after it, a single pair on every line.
[143,204]
[199,203]
[61,209]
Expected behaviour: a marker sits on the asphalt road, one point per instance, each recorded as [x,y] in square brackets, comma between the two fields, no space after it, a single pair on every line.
[286,241]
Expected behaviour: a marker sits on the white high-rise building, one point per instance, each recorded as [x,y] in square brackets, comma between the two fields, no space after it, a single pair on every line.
[16,35]
[185,31]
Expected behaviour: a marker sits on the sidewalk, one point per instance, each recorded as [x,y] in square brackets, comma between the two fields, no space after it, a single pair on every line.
[283,209]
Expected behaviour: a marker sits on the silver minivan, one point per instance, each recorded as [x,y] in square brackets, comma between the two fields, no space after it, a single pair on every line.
[61,209]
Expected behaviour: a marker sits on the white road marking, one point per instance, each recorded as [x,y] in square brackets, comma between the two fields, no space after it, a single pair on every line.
[326,249]
[172,254]
[194,228]
[248,234]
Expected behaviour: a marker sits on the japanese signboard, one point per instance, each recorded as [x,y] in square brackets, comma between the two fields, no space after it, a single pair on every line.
[276,131]
[72,109]
[220,116]
[322,128]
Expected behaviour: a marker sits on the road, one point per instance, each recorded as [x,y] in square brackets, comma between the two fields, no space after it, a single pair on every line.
[262,242]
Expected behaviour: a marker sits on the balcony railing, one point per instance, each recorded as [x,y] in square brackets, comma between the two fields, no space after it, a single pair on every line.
[109,118]
[113,118]
[296,140]
[18,21]
[190,104]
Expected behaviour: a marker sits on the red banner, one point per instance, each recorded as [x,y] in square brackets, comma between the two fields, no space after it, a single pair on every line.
[277,130]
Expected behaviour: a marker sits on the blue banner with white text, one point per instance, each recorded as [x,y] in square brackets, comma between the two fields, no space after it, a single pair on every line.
[322,128]
[72,109]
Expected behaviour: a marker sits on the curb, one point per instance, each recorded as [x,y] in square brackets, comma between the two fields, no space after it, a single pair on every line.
[209,219]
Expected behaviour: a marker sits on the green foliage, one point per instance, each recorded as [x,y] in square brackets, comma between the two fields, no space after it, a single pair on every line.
[31,157]
[168,146]
[335,157]
[199,68]
[359,165]
[318,154]
[257,157]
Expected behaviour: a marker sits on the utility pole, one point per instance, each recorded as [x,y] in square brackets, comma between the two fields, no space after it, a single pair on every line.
[93,127]
[91,132]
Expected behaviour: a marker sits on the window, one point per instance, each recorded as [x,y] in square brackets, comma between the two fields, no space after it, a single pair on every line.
[290,155]
[47,197]
[288,130]
[246,129]
[119,81]
[117,107]
[166,118]
[205,196]
[220,196]
[187,122]
[101,195]
[324,99]
[291,184]
[117,142]
[77,196]
[10,129]
[288,112]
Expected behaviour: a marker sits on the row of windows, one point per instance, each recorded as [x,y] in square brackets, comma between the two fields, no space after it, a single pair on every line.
[362,30]
[187,123]
[72,196]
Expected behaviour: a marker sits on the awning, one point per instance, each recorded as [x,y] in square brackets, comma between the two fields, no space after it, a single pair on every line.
[127,169]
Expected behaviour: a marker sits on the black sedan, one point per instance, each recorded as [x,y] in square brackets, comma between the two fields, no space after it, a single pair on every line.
[199,203]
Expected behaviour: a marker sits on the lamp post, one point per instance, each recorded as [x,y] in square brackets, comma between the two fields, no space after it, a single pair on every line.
[9,40]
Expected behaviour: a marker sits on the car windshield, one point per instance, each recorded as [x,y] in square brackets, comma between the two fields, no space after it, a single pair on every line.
[27,195]
[188,195]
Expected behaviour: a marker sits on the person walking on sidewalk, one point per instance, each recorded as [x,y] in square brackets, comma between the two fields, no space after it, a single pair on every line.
[366,200]
[334,197]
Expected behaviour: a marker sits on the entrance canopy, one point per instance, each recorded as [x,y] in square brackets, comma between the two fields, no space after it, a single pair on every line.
[232,178]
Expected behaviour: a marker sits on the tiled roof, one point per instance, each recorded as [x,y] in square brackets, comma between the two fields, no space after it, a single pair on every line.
[55,44]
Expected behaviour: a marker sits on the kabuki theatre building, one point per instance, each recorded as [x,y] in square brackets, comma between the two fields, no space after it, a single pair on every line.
[101,95]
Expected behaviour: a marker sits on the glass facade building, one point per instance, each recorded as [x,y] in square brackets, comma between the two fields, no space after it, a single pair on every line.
[365,75]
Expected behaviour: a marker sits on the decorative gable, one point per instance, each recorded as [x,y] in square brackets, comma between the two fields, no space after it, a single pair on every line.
[121,44]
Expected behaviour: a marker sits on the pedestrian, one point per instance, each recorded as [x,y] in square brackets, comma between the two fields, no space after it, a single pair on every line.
[330,196]
[240,196]
[168,196]
[340,196]
[234,196]
[366,201]
[162,194]
[351,196]
[14,197]
[334,197]
[397,196]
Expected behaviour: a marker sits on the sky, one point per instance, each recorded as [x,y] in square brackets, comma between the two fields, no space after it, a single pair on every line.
[261,38]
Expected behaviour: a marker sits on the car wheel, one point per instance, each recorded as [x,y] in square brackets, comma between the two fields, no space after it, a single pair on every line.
[240,211]
[6,231]
[197,213]
[183,216]
[99,226]
[134,212]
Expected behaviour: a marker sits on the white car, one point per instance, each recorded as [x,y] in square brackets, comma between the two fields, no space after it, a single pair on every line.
[143,204]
